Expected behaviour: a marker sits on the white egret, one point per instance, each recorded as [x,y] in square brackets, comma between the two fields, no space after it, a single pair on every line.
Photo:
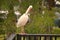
[4,12]
[17,13]
[24,19]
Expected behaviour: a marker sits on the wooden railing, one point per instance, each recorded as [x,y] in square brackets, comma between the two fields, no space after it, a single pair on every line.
[37,37]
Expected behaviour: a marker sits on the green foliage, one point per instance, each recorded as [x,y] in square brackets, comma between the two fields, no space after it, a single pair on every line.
[56,31]
[9,23]
[38,23]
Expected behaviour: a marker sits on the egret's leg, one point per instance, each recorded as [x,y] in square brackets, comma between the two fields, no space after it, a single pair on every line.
[22,30]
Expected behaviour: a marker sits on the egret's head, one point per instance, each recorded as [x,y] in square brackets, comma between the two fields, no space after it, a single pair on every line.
[29,9]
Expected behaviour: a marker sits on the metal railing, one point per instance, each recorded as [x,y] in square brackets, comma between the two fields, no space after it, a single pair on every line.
[37,37]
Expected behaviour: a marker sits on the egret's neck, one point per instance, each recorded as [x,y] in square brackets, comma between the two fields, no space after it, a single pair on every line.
[27,14]
[55,0]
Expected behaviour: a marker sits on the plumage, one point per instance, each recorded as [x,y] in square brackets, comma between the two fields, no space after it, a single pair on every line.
[24,18]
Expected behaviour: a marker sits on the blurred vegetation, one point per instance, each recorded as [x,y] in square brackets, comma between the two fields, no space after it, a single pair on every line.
[39,23]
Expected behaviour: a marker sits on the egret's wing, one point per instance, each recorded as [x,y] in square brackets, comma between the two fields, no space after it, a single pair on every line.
[22,20]
[29,20]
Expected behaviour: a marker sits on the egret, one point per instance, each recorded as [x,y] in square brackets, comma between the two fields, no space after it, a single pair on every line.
[21,22]
[17,13]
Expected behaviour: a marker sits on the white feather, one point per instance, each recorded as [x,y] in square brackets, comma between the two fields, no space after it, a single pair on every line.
[24,18]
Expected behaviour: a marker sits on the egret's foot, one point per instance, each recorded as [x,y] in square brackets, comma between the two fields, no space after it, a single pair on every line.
[23,33]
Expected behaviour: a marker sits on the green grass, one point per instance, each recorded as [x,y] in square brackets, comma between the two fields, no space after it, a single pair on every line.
[2,37]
